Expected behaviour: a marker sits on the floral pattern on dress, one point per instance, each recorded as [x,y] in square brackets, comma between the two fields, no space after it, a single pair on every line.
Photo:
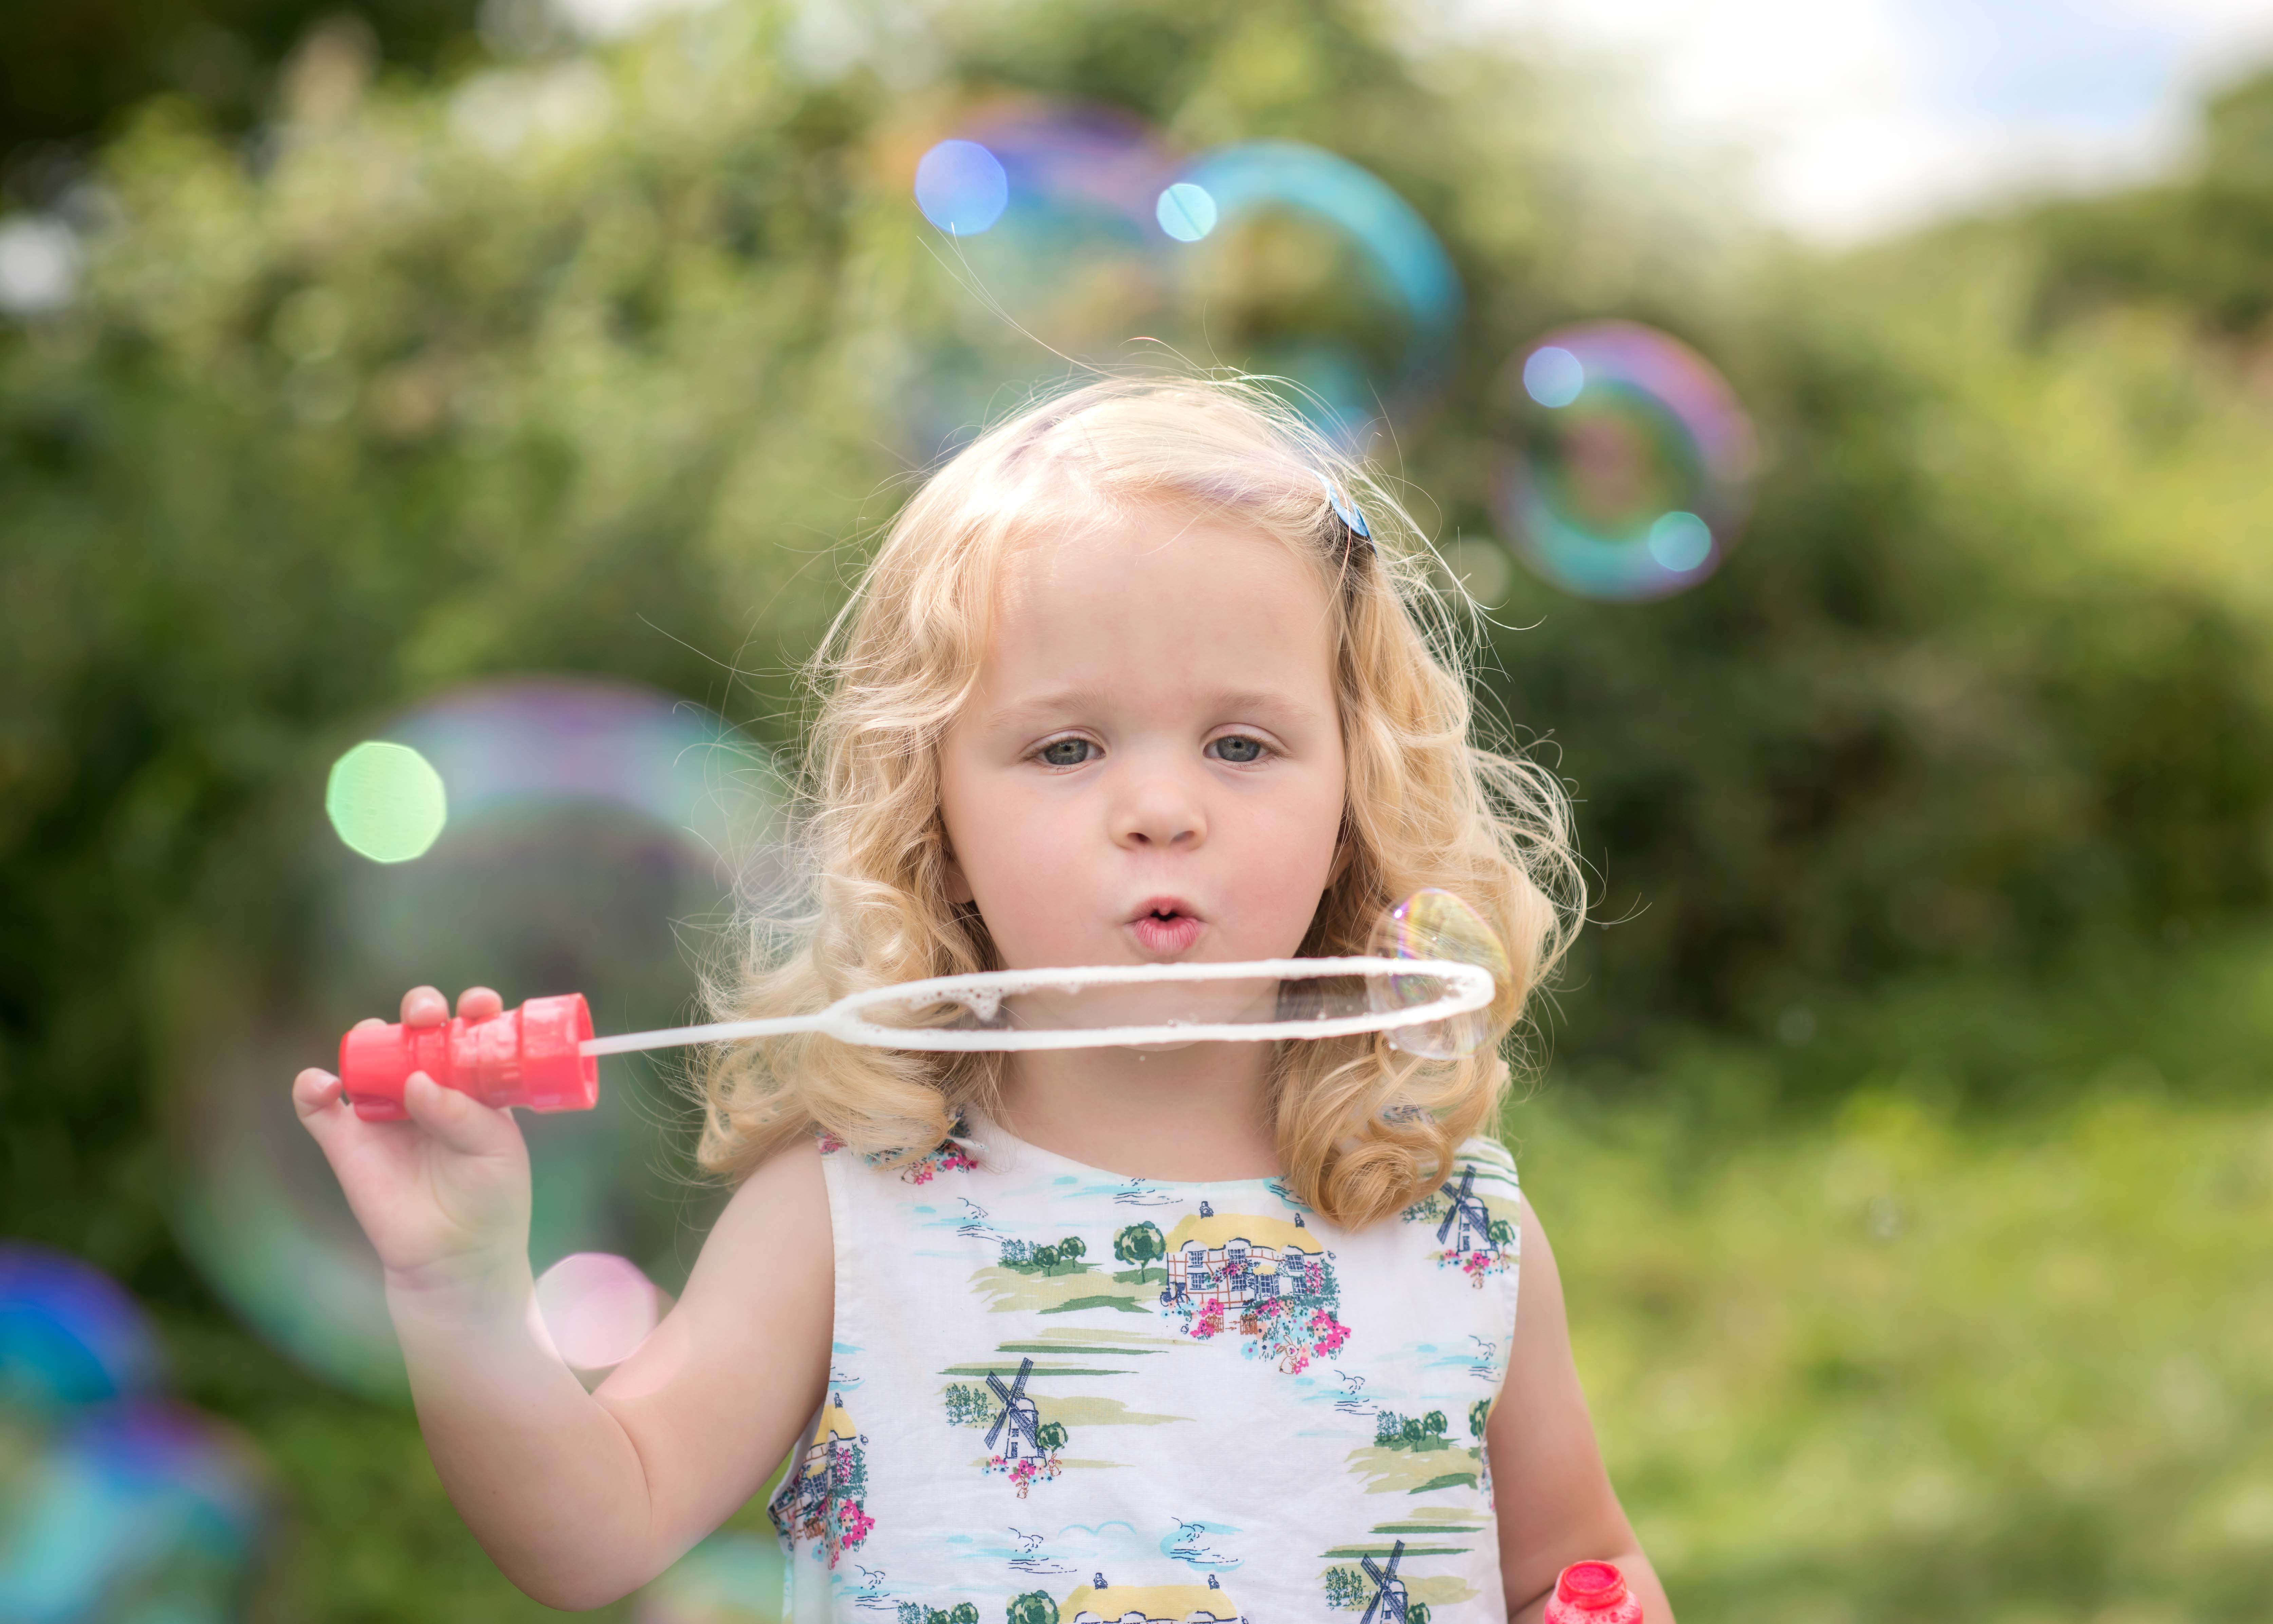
[822,1501]
[943,1158]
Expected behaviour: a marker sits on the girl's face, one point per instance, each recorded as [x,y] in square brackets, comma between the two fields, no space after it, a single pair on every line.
[1150,768]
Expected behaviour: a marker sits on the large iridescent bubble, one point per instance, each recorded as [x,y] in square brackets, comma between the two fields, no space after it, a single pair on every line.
[1051,256]
[1315,269]
[1073,236]
[114,1503]
[590,833]
[1629,472]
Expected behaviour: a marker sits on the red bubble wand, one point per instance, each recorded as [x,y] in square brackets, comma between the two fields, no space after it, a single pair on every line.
[543,1054]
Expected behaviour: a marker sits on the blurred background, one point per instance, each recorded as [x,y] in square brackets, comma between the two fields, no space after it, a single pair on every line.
[1853,422]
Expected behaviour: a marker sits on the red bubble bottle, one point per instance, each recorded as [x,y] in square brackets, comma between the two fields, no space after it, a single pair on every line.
[530,1055]
[1592,1593]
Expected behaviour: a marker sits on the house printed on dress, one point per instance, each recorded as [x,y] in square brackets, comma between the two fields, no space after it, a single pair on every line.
[1099,1603]
[1238,1258]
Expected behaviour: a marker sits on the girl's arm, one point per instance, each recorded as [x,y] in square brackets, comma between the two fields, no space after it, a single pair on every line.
[579,1498]
[1555,1501]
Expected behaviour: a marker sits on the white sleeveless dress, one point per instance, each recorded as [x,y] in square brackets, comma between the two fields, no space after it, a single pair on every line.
[1060,1395]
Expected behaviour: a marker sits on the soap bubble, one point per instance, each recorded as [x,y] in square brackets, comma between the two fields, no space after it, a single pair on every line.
[1316,270]
[960,187]
[1630,475]
[69,1338]
[588,849]
[1067,270]
[114,1504]
[386,801]
[1435,924]
[137,1510]
[597,1309]
[1186,211]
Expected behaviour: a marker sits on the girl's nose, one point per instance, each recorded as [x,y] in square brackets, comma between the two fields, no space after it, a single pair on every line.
[1158,810]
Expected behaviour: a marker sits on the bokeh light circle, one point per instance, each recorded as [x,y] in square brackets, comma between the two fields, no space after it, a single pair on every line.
[597,833]
[69,1338]
[1434,923]
[386,801]
[114,1502]
[1186,211]
[1319,272]
[597,1309]
[1628,475]
[961,188]
[1553,376]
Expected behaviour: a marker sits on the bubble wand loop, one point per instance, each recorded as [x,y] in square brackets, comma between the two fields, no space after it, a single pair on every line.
[543,1054]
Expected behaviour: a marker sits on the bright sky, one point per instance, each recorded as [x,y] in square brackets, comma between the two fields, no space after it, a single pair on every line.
[1864,116]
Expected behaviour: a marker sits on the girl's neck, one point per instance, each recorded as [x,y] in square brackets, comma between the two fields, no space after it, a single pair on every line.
[1189,1114]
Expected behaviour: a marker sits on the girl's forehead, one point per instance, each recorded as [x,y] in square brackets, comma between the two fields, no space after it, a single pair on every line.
[1137,606]
[1152,548]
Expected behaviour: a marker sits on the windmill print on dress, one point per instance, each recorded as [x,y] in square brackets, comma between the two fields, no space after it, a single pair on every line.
[1017,1416]
[1388,1604]
[1472,1237]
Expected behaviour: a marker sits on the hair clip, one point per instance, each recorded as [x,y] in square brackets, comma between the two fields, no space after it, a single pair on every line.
[1347,511]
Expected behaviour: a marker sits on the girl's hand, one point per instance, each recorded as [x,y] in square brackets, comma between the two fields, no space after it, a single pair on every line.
[443,1196]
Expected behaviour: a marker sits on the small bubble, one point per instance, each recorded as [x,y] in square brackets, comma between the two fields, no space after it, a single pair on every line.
[1433,924]
[1187,212]
[387,802]
[597,1309]
[1680,542]
[1796,1025]
[1553,376]
[961,188]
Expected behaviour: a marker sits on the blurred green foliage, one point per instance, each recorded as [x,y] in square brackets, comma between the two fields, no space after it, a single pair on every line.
[1896,1367]
[595,363]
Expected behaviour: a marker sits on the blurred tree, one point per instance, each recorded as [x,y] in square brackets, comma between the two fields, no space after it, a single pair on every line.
[74,70]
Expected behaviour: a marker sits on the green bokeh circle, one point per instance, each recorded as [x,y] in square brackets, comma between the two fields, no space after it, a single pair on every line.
[386,801]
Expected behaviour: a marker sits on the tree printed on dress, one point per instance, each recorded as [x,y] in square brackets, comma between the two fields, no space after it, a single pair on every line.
[1139,1243]
[916,1612]
[1028,1259]
[1419,1433]
[1033,1607]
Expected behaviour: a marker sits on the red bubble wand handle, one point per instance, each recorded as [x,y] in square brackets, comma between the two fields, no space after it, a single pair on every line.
[531,1056]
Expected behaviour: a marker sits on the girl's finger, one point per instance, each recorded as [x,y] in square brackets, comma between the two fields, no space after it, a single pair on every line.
[424,1007]
[314,1092]
[479,1004]
[463,1123]
[370,1020]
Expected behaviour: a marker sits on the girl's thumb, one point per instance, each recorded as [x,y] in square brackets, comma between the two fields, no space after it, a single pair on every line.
[463,1123]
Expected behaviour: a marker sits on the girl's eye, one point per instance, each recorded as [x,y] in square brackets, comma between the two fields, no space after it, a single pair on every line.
[1240,752]
[1065,753]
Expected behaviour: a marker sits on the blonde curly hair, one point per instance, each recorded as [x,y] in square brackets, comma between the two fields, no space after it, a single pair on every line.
[1363,1130]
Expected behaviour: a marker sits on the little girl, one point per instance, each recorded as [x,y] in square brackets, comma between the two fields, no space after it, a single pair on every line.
[1229,1330]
